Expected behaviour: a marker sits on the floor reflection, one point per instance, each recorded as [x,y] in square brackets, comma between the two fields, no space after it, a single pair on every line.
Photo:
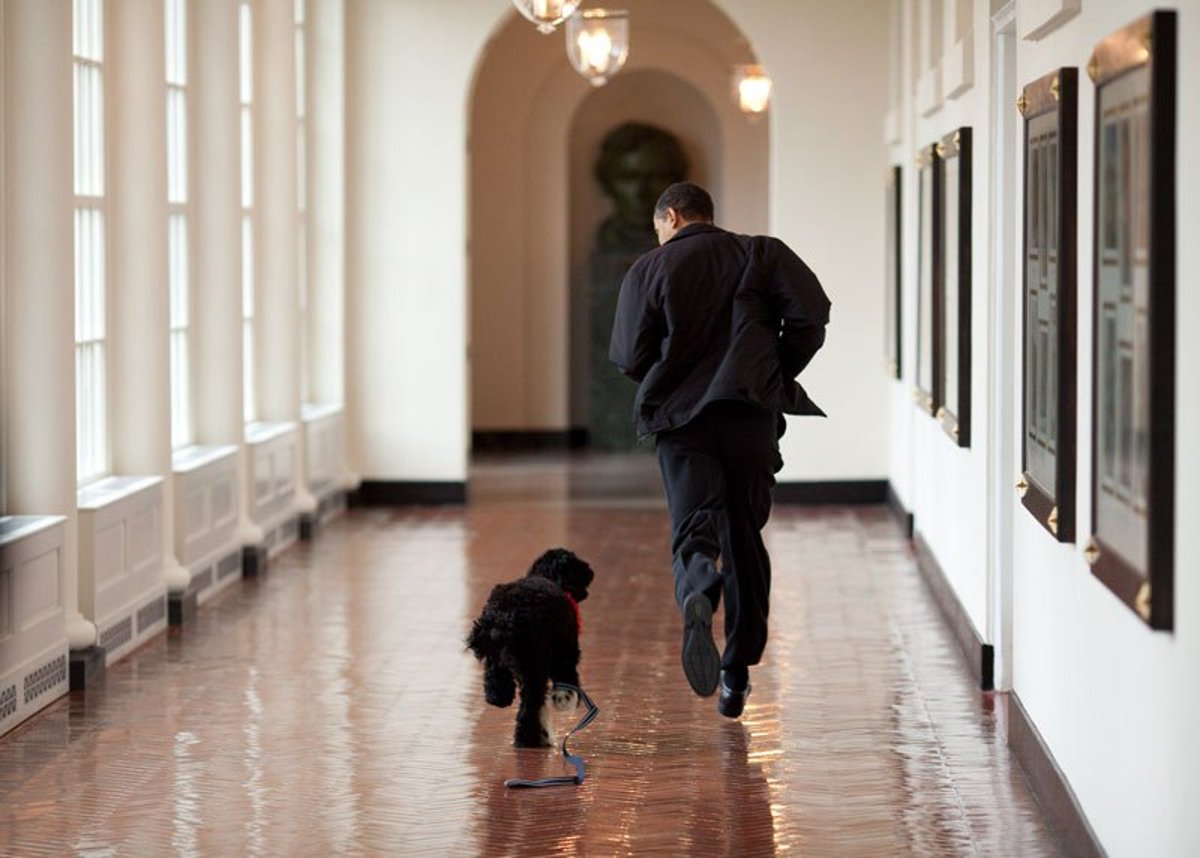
[331,708]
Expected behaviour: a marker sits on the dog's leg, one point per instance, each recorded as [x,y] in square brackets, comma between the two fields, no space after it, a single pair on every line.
[533,728]
[499,687]
[566,669]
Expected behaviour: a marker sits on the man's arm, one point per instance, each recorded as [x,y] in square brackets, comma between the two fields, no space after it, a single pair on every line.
[637,328]
[803,308]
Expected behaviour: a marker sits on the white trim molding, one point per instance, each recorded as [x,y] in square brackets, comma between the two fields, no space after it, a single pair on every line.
[325,434]
[121,586]
[207,541]
[33,637]
[1037,19]
[958,56]
[272,449]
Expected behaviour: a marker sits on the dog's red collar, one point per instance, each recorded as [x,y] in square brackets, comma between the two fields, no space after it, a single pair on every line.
[578,613]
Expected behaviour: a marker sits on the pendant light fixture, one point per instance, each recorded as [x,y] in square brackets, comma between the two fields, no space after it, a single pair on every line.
[547,14]
[598,43]
[753,89]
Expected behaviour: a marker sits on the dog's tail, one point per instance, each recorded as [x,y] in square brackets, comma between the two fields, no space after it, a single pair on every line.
[485,637]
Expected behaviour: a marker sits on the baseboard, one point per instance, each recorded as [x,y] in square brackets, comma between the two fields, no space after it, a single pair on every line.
[1048,784]
[904,518]
[524,441]
[980,656]
[831,492]
[405,493]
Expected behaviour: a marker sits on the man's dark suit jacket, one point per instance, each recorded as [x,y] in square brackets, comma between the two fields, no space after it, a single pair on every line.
[714,316]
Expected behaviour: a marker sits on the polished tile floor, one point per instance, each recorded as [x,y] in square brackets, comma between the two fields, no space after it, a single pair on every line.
[330,709]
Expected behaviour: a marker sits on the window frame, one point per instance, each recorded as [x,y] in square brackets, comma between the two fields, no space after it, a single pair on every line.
[89,194]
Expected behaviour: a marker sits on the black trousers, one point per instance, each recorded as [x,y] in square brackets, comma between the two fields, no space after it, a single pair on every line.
[718,471]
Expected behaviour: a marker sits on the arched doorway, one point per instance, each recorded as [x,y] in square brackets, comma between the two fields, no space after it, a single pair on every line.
[533,128]
[656,99]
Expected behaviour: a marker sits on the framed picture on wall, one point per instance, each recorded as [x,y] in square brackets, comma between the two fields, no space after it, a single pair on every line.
[1133,360]
[929,277]
[954,327]
[892,254]
[1050,106]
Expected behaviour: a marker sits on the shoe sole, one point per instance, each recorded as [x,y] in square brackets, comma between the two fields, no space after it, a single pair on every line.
[701,661]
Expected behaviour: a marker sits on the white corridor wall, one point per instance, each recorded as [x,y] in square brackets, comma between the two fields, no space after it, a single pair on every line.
[409,70]
[1112,699]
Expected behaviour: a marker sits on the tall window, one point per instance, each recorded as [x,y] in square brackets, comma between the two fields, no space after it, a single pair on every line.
[246,96]
[177,223]
[91,428]
[302,201]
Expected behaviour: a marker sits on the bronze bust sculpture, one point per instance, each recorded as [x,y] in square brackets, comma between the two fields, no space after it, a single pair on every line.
[637,162]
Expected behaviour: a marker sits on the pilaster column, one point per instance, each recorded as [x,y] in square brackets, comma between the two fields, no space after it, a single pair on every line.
[326,112]
[275,197]
[140,379]
[40,278]
[326,145]
[216,236]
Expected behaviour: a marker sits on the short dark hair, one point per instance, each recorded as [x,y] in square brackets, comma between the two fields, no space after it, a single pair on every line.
[689,200]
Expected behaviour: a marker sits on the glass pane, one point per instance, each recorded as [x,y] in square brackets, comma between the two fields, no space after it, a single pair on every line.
[88,131]
[177,184]
[301,95]
[1041,315]
[91,440]
[89,275]
[99,411]
[301,170]
[247,159]
[247,269]
[98,278]
[1122,347]
[177,252]
[245,55]
[176,41]
[248,407]
[950,285]
[81,423]
[925,282]
[181,433]
[87,29]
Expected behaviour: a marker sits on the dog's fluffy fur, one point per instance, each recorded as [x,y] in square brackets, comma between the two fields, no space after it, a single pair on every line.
[528,636]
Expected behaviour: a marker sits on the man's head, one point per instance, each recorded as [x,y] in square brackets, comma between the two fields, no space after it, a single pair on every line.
[681,204]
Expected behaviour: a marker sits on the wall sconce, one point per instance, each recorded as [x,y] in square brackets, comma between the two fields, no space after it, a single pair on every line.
[547,14]
[753,90]
[598,43]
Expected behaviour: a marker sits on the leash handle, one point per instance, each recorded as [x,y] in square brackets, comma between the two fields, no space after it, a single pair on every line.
[574,760]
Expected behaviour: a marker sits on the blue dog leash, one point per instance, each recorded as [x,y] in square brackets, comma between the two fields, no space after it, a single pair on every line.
[574,760]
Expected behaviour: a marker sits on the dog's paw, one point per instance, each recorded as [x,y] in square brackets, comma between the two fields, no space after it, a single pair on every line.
[539,737]
[564,700]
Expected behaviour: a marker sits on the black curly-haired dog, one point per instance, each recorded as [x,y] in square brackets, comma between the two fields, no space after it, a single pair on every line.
[527,636]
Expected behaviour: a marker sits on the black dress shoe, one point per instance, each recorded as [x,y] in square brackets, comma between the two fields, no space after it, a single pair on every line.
[701,661]
[732,701]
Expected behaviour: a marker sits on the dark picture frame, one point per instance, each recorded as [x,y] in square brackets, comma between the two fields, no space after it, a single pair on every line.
[893,312]
[1050,106]
[1133,355]
[927,373]
[954,330]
